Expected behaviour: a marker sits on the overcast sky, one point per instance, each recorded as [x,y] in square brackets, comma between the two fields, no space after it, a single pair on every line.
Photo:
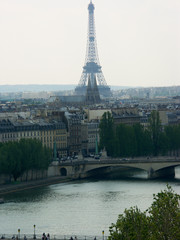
[44,41]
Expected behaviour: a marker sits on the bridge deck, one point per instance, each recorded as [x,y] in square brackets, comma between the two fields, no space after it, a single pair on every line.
[90,161]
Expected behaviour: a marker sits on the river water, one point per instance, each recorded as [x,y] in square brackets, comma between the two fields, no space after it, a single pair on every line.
[79,208]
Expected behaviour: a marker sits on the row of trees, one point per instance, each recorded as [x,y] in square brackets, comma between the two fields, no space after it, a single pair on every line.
[129,141]
[161,221]
[16,158]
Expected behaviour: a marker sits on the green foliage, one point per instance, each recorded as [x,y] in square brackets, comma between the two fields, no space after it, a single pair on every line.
[126,139]
[106,133]
[173,138]
[161,221]
[165,215]
[155,131]
[132,141]
[130,226]
[19,157]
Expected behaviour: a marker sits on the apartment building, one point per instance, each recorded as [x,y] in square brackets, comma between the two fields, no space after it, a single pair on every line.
[49,133]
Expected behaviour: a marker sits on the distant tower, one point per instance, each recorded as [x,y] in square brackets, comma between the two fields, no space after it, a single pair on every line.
[92,66]
[92,92]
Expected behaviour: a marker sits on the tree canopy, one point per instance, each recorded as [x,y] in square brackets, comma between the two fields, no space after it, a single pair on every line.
[161,221]
[134,140]
[19,157]
[106,133]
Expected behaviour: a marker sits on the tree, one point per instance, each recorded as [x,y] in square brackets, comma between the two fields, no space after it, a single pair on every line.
[133,225]
[127,146]
[106,132]
[139,135]
[173,139]
[147,143]
[161,221]
[130,141]
[155,131]
[165,215]
[10,159]
[16,158]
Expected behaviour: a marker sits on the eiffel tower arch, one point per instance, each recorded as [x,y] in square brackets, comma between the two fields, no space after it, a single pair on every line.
[92,68]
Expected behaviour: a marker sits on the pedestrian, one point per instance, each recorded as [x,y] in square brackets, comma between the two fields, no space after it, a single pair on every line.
[95,238]
[75,238]
[43,236]
[48,236]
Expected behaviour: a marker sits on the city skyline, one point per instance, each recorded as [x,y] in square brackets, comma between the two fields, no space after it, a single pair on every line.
[44,42]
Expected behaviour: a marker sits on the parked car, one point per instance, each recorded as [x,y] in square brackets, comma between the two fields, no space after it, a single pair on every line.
[97,156]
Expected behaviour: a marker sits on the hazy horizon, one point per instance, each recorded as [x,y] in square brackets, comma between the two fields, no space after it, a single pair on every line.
[38,84]
[60,87]
[44,41]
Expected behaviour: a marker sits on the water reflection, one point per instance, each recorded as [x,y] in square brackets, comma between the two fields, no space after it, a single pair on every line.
[30,195]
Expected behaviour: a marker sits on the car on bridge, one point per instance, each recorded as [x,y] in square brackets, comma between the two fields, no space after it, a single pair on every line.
[97,156]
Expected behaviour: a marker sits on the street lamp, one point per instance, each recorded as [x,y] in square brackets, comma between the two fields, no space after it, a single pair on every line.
[19,233]
[103,234]
[34,232]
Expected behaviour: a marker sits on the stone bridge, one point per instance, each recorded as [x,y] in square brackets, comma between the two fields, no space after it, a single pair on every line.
[158,167]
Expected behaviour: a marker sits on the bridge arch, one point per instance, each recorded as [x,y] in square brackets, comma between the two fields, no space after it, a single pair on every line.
[166,172]
[63,171]
[155,170]
[118,170]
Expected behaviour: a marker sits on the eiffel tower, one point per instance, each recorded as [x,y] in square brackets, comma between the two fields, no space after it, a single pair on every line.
[92,68]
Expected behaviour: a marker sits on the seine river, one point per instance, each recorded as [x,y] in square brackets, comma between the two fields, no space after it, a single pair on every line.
[78,208]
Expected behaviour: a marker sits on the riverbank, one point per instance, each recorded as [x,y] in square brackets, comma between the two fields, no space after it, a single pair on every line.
[20,186]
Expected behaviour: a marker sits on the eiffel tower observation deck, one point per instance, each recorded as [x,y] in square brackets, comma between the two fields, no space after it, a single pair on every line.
[92,68]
